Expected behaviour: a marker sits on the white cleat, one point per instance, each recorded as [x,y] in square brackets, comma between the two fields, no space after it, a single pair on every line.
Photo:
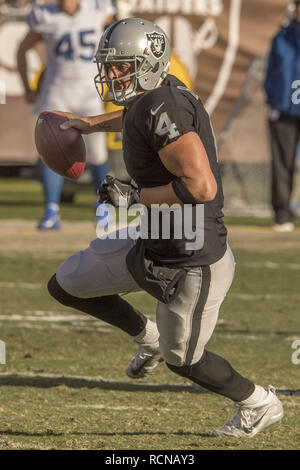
[284,228]
[248,420]
[145,362]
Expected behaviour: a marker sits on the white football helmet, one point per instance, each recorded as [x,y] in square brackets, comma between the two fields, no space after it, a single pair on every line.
[140,42]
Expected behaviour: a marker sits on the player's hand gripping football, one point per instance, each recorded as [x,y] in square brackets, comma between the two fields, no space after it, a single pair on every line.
[82,124]
[117,193]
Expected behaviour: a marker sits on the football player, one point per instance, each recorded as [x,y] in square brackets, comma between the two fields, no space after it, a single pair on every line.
[170,152]
[70,30]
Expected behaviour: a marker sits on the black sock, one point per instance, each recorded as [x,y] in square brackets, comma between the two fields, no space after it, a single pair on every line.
[216,374]
[111,309]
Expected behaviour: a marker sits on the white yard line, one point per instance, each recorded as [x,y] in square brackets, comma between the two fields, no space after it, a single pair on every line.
[45,319]
[250,264]
[242,296]
[119,408]
[270,265]
[49,319]
[56,255]
[32,286]
[68,321]
[21,285]
[70,327]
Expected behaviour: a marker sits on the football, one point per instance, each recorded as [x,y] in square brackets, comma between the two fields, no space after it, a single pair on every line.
[63,151]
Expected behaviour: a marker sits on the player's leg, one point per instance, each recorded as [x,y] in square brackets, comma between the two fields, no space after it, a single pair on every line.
[91,280]
[185,327]
[148,356]
[98,173]
[176,320]
[52,186]
[97,158]
[110,308]
[284,133]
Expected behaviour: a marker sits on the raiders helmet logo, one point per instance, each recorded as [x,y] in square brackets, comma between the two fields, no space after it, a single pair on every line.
[157,44]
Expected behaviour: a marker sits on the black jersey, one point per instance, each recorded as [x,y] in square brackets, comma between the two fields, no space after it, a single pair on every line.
[153,120]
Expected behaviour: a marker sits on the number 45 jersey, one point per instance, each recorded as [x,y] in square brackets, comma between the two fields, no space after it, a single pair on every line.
[71,42]
[152,121]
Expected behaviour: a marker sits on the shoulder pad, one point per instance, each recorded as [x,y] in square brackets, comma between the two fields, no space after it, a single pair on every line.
[41,14]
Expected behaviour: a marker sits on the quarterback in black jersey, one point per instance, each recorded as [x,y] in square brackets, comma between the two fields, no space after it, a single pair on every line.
[152,122]
[170,153]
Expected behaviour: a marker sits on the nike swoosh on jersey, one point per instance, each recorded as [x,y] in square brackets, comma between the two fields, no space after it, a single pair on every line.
[154,112]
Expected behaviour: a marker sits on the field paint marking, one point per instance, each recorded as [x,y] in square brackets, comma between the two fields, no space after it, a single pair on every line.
[62,320]
[52,380]
[242,296]
[67,321]
[250,264]
[237,295]
[104,329]
[243,336]
[54,318]
[53,255]
[31,326]
[270,265]
[51,313]
[119,408]
[21,285]
[48,315]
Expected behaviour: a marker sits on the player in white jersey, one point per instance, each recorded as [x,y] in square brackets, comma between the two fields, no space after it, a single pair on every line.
[70,30]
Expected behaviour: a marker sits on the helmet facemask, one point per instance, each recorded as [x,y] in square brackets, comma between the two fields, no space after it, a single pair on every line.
[141,67]
[140,43]
[118,96]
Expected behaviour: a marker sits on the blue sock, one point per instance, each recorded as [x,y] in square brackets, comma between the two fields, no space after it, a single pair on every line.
[98,173]
[52,184]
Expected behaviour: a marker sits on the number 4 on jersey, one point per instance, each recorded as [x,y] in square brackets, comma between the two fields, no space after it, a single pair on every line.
[165,126]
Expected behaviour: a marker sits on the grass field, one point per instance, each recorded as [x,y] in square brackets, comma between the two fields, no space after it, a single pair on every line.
[64,384]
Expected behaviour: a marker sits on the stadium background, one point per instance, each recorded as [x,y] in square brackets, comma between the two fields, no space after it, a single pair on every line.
[221,44]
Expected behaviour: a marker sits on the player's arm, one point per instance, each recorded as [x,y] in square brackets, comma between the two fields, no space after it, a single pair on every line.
[185,158]
[108,122]
[30,40]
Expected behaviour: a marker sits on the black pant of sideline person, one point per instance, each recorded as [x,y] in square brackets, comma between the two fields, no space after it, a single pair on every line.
[284,135]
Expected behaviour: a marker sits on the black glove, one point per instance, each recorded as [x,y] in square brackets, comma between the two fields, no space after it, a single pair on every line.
[117,193]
